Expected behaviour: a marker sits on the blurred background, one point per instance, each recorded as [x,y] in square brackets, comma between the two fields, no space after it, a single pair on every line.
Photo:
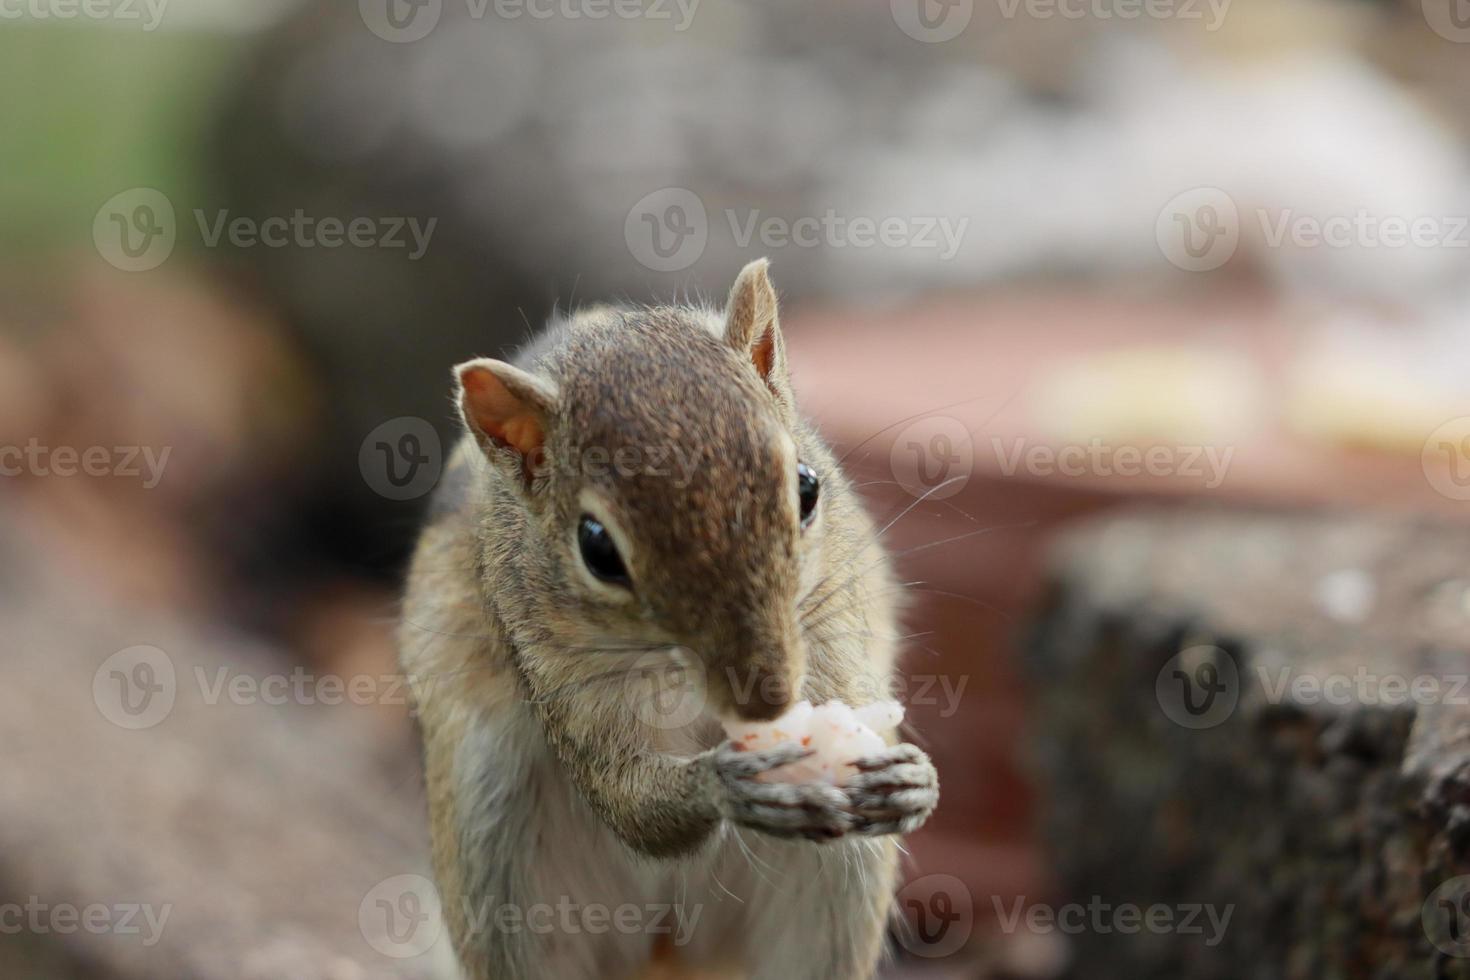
[1040,260]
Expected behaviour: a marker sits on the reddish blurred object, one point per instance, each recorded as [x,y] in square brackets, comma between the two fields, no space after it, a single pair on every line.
[984,371]
[200,412]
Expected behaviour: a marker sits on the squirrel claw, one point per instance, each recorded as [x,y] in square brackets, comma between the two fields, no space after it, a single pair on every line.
[894,792]
[815,811]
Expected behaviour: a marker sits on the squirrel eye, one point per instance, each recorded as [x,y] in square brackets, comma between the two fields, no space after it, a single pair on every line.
[599,553]
[807,486]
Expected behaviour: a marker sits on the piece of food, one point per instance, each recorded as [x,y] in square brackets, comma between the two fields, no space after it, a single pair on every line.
[837,734]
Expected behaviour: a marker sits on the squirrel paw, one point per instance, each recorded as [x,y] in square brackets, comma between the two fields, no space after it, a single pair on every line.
[815,811]
[894,792]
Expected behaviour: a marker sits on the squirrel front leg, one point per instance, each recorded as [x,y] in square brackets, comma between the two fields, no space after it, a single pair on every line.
[665,806]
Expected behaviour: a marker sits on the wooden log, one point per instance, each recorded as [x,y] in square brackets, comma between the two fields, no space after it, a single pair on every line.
[1266,715]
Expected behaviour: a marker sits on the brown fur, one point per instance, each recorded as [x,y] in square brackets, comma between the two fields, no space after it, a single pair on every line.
[521,665]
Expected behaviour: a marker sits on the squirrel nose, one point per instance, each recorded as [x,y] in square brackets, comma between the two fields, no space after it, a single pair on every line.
[765,699]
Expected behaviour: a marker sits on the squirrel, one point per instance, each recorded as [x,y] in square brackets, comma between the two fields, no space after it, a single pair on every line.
[638,496]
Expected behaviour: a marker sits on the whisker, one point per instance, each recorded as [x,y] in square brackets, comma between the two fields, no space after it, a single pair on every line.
[582,682]
[909,551]
[943,503]
[920,414]
[917,501]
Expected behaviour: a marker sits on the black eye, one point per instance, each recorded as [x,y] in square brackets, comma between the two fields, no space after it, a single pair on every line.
[600,554]
[807,486]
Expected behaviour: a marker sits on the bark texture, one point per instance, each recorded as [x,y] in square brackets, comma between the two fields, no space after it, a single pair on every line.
[1266,713]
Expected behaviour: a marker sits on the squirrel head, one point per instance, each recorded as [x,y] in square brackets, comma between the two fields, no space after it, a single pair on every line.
[652,484]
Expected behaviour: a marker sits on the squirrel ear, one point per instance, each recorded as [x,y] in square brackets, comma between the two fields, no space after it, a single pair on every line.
[753,328]
[505,407]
